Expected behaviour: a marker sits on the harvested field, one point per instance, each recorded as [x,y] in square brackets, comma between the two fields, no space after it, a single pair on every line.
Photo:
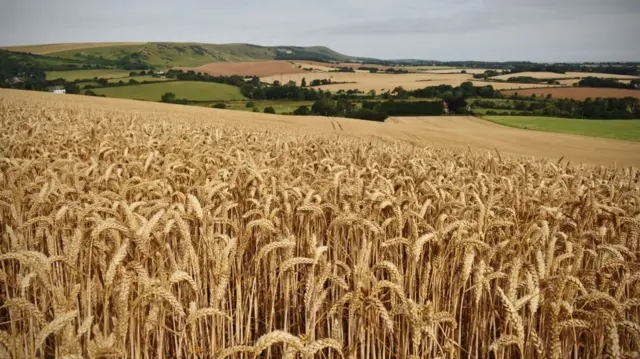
[379,82]
[258,68]
[568,75]
[448,71]
[51,48]
[143,230]
[577,93]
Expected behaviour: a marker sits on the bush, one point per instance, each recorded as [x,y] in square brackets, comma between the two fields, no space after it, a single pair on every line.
[220,106]
[250,105]
[302,111]
[168,97]
[492,113]
[370,115]
[269,109]
[255,109]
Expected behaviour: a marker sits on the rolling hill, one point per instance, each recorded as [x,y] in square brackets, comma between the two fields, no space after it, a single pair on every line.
[169,54]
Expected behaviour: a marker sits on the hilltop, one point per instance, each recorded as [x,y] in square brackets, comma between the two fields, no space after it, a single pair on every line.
[169,54]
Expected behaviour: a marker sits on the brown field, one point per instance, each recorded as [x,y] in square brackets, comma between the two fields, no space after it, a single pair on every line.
[379,82]
[258,68]
[145,230]
[577,93]
[50,48]
[568,75]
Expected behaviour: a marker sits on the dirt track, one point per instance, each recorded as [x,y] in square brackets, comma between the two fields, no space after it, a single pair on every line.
[459,132]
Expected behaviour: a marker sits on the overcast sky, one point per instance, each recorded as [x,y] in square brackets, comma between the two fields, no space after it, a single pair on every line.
[534,30]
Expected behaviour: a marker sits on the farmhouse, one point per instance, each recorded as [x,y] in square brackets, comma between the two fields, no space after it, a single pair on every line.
[58,89]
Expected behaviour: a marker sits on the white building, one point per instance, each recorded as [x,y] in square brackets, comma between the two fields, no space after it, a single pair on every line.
[58,89]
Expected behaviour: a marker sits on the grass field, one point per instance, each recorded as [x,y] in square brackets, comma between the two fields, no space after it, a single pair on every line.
[628,130]
[280,106]
[191,90]
[139,79]
[86,74]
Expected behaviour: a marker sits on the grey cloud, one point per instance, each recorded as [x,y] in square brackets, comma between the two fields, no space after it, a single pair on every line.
[550,30]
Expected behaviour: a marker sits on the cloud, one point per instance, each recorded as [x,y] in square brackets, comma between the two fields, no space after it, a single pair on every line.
[553,30]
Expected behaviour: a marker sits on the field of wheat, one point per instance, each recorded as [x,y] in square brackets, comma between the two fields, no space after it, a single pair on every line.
[149,234]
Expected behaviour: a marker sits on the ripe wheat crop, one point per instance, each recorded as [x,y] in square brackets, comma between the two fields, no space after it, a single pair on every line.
[126,235]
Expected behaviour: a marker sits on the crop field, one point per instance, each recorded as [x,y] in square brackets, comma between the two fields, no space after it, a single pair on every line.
[145,230]
[573,75]
[577,93]
[628,130]
[261,68]
[53,48]
[382,82]
[86,74]
[191,90]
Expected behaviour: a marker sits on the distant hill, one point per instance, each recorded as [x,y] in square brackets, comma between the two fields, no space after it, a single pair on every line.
[169,54]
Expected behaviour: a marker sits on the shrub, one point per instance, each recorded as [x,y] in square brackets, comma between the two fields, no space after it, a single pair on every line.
[302,111]
[219,105]
[370,115]
[269,109]
[255,109]
[250,105]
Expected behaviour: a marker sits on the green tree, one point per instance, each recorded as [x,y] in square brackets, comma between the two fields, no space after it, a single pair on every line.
[303,83]
[302,111]
[133,73]
[372,93]
[220,106]
[324,107]
[269,109]
[250,105]
[168,97]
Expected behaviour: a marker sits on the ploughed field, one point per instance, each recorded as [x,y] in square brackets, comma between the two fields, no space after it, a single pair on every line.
[143,230]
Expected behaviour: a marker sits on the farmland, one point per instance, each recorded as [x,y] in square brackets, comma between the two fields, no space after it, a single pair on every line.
[576,93]
[382,82]
[140,79]
[86,74]
[193,91]
[134,229]
[567,75]
[628,130]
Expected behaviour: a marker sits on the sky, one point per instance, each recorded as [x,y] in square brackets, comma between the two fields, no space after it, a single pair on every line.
[447,30]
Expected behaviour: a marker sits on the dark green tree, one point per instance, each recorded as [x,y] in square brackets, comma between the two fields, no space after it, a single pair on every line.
[269,109]
[168,97]
[324,107]
[302,111]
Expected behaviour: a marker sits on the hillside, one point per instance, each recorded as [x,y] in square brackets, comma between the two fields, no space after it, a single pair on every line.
[169,54]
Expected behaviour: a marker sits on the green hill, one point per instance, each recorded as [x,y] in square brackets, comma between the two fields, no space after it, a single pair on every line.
[169,54]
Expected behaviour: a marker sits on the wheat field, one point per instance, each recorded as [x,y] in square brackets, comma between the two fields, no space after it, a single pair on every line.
[147,233]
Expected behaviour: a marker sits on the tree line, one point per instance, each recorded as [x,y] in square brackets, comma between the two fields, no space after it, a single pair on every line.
[608,82]
[600,108]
